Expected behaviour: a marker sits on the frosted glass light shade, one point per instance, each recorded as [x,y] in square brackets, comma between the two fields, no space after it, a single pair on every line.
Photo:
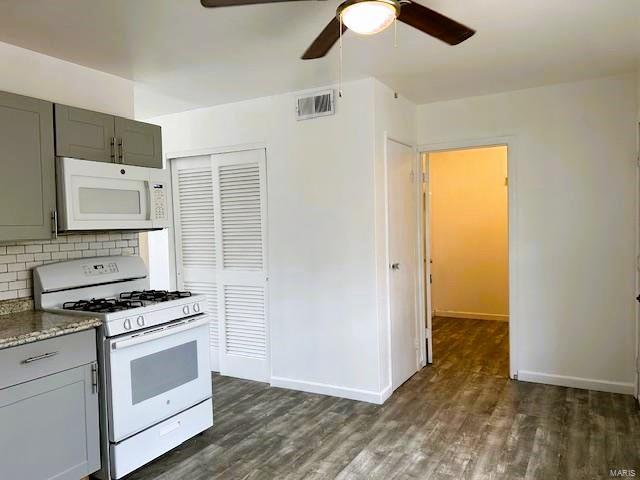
[368,17]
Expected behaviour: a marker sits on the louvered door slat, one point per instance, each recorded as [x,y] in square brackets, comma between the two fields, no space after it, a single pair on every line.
[244,327]
[195,211]
[241,211]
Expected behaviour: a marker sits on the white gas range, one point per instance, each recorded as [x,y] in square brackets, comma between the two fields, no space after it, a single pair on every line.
[153,351]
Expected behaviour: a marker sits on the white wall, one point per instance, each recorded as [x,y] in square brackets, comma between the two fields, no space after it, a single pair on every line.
[29,73]
[576,198]
[321,224]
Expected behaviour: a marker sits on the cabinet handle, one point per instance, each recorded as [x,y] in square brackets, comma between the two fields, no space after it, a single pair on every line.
[121,148]
[39,357]
[114,153]
[94,377]
[54,223]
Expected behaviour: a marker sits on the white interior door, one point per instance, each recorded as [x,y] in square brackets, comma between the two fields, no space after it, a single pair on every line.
[194,226]
[403,261]
[239,185]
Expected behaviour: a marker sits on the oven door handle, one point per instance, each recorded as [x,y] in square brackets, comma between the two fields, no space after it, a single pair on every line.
[159,333]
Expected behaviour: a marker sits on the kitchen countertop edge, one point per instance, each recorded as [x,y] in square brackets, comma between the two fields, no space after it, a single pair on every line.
[38,325]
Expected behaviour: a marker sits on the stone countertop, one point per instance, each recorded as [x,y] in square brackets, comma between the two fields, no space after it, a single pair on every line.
[31,326]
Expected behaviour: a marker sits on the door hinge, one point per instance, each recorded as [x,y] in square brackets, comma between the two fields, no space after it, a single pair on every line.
[425,178]
[506,181]
[94,378]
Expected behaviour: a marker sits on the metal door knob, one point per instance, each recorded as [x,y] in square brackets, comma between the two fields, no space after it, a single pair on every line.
[395,266]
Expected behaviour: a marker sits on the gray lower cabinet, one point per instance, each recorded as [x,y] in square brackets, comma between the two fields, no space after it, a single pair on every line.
[139,143]
[101,137]
[84,134]
[27,166]
[49,426]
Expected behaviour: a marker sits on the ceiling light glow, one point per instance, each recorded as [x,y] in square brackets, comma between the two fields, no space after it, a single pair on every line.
[370,16]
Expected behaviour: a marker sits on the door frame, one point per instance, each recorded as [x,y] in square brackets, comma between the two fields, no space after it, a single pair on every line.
[636,366]
[420,304]
[510,141]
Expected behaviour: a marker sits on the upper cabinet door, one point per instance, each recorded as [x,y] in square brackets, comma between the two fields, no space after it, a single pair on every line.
[139,143]
[27,163]
[84,134]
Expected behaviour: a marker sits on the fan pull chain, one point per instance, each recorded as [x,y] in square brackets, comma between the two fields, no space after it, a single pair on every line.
[395,32]
[340,69]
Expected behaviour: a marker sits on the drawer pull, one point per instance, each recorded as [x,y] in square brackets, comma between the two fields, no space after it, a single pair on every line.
[39,357]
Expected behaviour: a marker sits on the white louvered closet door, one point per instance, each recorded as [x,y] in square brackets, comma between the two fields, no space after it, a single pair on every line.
[239,181]
[196,257]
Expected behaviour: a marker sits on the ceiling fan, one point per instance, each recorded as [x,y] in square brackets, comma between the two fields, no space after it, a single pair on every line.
[368,17]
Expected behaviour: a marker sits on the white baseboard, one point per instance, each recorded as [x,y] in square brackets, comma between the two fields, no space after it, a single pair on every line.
[385,394]
[577,382]
[474,315]
[332,390]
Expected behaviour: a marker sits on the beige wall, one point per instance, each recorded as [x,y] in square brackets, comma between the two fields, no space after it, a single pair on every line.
[469,233]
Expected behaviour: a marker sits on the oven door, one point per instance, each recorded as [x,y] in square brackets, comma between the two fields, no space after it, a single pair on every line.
[156,374]
[106,196]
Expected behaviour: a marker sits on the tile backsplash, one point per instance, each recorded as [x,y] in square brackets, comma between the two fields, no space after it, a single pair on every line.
[17,259]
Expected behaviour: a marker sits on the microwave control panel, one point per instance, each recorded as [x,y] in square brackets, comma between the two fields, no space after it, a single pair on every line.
[159,201]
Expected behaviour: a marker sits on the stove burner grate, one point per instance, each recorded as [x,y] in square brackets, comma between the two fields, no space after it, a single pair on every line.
[153,295]
[102,305]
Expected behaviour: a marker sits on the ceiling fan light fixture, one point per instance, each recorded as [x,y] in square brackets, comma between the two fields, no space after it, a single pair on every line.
[368,17]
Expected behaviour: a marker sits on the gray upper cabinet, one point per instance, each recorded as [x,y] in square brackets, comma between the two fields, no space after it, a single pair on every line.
[139,143]
[84,134]
[101,137]
[27,163]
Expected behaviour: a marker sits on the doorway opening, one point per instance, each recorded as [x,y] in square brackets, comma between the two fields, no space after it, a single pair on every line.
[465,217]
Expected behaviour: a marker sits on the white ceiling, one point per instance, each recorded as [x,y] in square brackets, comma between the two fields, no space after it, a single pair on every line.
[198,57]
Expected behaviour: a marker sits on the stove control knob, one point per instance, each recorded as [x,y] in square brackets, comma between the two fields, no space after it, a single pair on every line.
[127,324]
[140,321]
[196,307]
[185,310]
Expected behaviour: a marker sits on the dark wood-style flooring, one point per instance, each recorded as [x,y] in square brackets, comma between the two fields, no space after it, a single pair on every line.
[460,418]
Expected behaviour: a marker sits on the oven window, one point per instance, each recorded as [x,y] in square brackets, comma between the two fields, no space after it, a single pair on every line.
[109,200]
[163,371]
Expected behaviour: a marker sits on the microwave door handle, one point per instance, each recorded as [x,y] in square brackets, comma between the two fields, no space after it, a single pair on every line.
[155,335]
[150,206]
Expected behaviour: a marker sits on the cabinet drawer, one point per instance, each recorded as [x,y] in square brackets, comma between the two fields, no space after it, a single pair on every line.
[34,360]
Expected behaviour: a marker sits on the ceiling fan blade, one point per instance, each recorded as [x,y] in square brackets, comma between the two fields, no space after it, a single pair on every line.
[237,3]
[434,24]
[323,42]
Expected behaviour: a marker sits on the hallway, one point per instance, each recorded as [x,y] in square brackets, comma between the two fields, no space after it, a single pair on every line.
[461,418]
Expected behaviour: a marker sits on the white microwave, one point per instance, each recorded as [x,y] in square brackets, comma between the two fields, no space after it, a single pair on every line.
[109,196]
